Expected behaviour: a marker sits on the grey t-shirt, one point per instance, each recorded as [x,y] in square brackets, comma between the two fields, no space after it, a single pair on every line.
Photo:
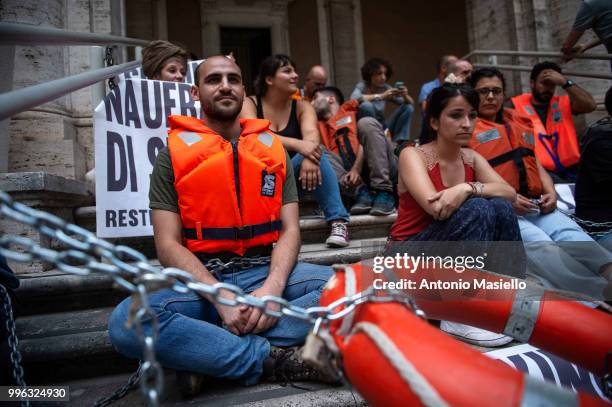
[162,194]
[595,14]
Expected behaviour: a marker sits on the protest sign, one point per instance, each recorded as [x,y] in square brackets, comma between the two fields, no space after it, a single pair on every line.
[546,366]
[130,127]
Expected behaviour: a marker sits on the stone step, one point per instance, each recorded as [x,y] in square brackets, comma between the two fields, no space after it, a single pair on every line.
[314,229]
[217,393]
[63,318]
[55,291]
[71,344]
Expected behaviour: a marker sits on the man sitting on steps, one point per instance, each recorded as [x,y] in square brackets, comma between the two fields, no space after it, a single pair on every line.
[225,190]
[352,144]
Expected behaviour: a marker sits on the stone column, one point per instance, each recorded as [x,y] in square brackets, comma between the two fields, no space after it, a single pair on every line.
[46,156]
[344,40]
[43,138]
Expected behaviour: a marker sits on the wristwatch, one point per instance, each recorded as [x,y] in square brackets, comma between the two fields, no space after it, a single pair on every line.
[568,84]
[377,97]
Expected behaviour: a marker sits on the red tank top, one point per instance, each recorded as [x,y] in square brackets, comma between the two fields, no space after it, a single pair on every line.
[411,218]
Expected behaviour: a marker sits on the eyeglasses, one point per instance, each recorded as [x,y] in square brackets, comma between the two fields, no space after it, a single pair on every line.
[486,91]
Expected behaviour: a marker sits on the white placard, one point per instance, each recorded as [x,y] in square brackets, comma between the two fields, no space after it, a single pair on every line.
[130,127]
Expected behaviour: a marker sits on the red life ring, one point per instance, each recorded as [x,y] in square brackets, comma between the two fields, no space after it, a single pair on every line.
[395,358]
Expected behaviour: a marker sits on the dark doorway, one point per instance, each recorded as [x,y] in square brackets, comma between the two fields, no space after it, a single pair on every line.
[250,46]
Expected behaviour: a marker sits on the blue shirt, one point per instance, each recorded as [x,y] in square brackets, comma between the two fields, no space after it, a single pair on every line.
[595,14]
[427,88]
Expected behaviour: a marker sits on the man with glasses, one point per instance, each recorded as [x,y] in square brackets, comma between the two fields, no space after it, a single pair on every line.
[556,143]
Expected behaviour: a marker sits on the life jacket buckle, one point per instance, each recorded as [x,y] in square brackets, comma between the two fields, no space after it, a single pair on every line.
[243,232]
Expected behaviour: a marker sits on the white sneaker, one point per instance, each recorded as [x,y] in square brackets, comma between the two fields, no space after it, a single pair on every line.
[339,235]
[474,335]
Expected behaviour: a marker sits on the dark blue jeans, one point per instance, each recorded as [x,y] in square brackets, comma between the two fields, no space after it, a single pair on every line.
[191,336]
[479,227]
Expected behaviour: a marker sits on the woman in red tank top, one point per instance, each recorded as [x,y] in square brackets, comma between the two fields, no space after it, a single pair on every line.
[437,178]
[448,192]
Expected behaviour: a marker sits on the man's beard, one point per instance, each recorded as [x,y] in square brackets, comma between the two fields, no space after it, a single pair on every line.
[323,111]
[541,97]
[220,114]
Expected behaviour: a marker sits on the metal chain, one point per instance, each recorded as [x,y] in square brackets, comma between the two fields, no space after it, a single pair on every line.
[237,262]
[110,61]
[86,254]
[12,340]
[587,224]
[121,392]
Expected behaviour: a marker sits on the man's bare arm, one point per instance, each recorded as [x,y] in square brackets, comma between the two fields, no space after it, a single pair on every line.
[167,230]
[285,252]
[284,256]
[581,100]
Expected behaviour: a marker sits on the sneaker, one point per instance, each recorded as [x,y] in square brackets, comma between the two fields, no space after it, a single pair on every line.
[473,335]
[384,204]
[189,383]
[339,235]
[285,365]
[364,202]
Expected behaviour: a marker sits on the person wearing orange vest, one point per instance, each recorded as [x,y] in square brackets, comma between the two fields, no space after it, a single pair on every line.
[555,135]
[352,143]
[223,190]
[505,138]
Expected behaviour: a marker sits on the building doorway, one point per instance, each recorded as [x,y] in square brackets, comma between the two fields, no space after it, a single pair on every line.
[250,46]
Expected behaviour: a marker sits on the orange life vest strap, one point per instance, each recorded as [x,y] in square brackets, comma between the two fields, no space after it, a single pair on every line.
[233,233]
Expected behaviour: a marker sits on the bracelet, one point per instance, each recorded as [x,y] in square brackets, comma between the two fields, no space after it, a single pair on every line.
[477,188]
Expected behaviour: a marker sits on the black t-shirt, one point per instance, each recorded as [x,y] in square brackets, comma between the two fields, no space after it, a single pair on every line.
[594,183]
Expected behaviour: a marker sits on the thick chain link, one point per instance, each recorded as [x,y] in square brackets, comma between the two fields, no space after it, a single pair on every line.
[237,262]
[13,342]
[85,254]
[110,61]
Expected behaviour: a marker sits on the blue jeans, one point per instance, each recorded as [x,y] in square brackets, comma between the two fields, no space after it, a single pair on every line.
[398,122]
[191,337]
[565,265]
[473,228]
[328,193]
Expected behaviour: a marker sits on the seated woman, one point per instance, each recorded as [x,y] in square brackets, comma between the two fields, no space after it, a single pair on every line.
[295,121]
[373,93]
[450,193]
[164,61]
[500,136]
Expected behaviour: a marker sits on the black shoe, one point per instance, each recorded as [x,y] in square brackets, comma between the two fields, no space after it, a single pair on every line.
[285,365]
[189,383]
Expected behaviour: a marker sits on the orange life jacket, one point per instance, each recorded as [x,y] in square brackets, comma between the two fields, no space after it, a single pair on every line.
[229,194]
[298,95]
[556,143]
[339,133]
[509,148]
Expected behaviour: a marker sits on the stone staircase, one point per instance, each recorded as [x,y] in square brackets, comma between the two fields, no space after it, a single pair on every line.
[62,323]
